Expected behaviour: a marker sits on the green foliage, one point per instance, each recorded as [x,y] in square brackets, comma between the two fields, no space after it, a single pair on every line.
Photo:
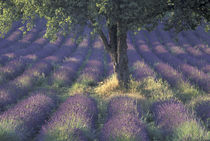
[189,131]
[64,16]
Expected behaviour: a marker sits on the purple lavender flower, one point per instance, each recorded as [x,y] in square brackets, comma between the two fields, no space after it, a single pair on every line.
[196,76]
[15,35]
[12,69]
[181,53]
[77,113]
[169,114]
[124,127]
[94,67]
[203,112]
[22,121]
[9,94]
[122,105]
[140,69]
[166,71]
[65,74]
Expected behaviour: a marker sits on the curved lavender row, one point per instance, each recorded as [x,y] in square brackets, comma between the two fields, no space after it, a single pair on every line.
[45,51]
[62,52]
[123,105]
[180,53]
[191,50]
[166,71]
[66,72]
[77,113]
[196,76]
[33,47]
[140,69]
[169,114]
[11,70]
[14,26]
[123,121]
[16,67]
[23,43]
[202,34]
[94,68]
[16,89]
[19,87]
[124,127]
[22,121]
[176,122]
[8,43]
[203,112]
[194,41]
[17,34]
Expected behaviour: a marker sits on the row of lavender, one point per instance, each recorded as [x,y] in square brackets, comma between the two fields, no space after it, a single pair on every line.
[193,74]
[71,102]
[75,120]
[21,85]
[171,74]
[184,50]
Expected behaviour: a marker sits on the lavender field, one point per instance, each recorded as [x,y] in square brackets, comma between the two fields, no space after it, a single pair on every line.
[66,90]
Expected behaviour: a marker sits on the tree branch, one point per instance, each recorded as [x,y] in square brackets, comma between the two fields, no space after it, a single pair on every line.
[104,39]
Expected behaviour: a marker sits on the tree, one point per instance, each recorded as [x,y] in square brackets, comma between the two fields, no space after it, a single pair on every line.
[111,19]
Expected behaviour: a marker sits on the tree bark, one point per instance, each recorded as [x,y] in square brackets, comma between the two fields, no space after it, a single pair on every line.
[117,49]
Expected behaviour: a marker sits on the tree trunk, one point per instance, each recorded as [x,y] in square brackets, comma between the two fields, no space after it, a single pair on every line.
[121,68]
[117,49]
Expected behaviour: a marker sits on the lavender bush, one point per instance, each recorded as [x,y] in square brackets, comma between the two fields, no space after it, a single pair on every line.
[14,90]
[202,110]
[181,53]
[139,69]
[123,122]
[94,67]
[10,40]
[124,127]
[22,121]
[166,71]
[73,120]
[12,69]
[65,74]
[194,74]
[169,114]
[122,105]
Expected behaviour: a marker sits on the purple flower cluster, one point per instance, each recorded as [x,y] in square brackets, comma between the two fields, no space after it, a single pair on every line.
[122,105]
[191,50]
[63,51]
[124,122]
[169,114]
[14,26]
[193,40]
[202,34]
[202,110]
[16,34]
[180,53]
[76,116]
[196,76]
[94,67]
[166,71]
[14,90]
[12,69]
[65,74]
[140,69]
[24,119]
[23,43]
[124,127]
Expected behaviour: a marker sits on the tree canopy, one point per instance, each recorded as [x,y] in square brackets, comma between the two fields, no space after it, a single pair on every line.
[111,19]
[66,15]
